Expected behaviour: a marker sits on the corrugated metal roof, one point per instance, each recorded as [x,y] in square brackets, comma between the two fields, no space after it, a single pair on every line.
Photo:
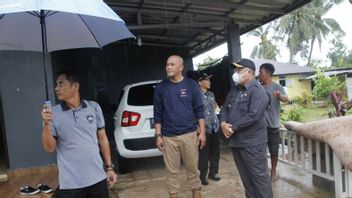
[332,73]
[198,25]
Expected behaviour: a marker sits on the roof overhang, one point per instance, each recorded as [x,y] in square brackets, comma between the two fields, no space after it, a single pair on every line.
[331,73]
[197,25]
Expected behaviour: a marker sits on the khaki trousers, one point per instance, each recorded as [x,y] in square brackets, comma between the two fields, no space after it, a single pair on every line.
[181,147]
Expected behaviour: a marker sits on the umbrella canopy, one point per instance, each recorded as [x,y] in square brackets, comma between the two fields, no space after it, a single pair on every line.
[50,25]
[68,24]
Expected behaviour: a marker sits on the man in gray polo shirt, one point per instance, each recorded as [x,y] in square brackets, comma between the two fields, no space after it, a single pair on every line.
[75,128]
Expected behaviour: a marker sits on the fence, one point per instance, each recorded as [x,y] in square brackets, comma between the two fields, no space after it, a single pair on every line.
[317,158]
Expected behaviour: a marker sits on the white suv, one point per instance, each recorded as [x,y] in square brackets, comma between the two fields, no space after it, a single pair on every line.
[134,124]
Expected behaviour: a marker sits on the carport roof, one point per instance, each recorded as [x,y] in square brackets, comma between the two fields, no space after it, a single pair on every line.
[197,25]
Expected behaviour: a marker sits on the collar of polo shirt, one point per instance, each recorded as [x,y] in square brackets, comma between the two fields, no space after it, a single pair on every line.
[66,108]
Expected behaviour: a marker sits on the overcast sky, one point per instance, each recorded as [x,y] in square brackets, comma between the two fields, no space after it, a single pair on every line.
[342,13]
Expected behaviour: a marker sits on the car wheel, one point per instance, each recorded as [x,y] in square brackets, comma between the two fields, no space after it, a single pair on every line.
[122,164]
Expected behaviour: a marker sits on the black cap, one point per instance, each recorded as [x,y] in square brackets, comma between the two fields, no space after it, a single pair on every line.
[245,63]
[203,76]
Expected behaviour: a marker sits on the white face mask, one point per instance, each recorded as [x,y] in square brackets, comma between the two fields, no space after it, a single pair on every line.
[236,77]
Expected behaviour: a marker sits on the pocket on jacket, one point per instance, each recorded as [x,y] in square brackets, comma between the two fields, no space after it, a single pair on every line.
[243,105]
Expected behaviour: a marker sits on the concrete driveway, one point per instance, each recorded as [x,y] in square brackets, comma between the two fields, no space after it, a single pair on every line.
[148,179]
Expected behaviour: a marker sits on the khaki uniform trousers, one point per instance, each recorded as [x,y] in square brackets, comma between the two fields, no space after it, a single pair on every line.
[181,147]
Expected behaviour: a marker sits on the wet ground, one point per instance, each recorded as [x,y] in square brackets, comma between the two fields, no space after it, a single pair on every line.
[148,179]
[3,176]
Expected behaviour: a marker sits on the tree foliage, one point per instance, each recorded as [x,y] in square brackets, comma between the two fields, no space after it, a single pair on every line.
[320,26]
[339,55]
[306,25]
[266,48]
[325,85]
[207,62]
[296,114]
[295,28]
[316,63]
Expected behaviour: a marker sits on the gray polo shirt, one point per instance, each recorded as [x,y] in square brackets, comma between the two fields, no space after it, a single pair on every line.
[79,162]
[272,113]
[244,108]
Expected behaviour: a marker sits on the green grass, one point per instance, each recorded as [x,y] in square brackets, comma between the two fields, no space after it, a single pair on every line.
[310,113]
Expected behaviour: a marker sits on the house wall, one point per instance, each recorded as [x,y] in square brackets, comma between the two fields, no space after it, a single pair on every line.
[116,66]
[22,95]
[296,87]
[22,89]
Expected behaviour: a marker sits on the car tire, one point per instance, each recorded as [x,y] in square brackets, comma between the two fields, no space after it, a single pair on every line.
[123,166]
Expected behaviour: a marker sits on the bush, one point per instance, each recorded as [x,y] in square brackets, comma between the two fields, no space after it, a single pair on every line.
[296,114]
[304,101]
[325,85]
[283,115]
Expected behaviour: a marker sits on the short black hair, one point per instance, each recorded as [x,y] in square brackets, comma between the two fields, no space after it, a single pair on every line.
[70,76]
[268,67]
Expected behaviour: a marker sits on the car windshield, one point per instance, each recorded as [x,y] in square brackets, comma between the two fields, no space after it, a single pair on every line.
[141,95]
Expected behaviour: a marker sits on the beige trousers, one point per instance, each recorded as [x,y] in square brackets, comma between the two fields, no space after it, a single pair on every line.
[181,147]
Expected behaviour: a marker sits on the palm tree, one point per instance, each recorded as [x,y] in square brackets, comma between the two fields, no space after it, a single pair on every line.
[266,49]
[295,27]
[321,27]
[308,25]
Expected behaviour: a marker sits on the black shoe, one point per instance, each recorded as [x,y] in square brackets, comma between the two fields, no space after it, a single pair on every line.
[28,190]
[204,182]
[44,188]
[214,177]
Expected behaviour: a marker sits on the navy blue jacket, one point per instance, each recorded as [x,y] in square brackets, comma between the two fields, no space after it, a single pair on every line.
[178,106]
[244,109]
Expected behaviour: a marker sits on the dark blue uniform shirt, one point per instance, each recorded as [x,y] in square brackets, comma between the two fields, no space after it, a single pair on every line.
[244,108]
